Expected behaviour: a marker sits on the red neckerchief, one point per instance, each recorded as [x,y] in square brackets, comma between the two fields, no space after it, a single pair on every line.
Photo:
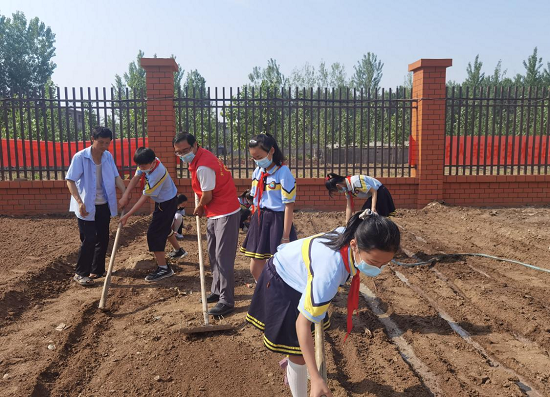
[261,186]
[348,178]
[142,180]
[353,295]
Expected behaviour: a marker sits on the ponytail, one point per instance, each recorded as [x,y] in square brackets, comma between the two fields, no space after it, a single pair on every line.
[331,182]
[370,230]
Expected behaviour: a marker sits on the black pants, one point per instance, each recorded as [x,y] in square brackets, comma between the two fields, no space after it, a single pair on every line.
[94,236]
[161,225]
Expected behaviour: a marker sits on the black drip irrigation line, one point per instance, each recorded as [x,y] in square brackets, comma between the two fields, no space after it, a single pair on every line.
[444,256]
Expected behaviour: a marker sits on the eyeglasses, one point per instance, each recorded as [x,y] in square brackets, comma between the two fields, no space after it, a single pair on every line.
[184,152]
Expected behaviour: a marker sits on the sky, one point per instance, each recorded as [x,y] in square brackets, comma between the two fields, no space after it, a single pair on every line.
[225,39]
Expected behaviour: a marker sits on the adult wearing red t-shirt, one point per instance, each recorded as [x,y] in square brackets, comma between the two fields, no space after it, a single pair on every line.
[214,185]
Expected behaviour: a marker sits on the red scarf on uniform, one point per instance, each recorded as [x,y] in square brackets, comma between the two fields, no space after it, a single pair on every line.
[353,295]
[142,180]
[261,187]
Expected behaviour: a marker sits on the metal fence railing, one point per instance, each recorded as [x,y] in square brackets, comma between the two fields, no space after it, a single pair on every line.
[497,131]
[343,130]
[40,132]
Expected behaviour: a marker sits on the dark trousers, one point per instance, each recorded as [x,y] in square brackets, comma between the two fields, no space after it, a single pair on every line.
[94,236]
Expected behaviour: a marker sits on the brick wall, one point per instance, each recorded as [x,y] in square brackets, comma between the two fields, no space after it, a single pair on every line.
[510,190]
[427,183]
[52,197]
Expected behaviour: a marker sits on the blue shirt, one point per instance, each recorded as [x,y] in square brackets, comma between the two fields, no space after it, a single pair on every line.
[315,270]
[83,172]
[158,184]
[280,188]
[361,186]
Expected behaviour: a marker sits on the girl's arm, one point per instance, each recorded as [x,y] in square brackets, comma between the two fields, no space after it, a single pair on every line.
[349,208]
[303,329]
[289,217]
[374,197]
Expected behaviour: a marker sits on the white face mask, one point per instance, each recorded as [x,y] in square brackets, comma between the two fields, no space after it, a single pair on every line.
[367,269]
[263,163]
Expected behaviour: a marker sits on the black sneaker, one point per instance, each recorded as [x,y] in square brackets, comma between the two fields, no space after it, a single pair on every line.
[181,253]
[212,298]
[220,310]
[159,274]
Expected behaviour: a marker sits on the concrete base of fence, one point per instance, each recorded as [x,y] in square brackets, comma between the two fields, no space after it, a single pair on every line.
[52,197]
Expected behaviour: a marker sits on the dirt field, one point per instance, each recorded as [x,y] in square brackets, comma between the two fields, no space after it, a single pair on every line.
[465,326]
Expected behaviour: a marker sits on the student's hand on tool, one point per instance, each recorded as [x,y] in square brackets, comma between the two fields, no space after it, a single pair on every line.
[124,219]
[123,202]
[319,388]
[199,211]
[82,209]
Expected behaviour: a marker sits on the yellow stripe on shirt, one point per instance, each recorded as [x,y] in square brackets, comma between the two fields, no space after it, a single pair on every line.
[314,308]
[149,190]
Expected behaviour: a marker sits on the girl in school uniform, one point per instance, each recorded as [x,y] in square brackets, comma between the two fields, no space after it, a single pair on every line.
[378,197]
[274,192]
[297,285]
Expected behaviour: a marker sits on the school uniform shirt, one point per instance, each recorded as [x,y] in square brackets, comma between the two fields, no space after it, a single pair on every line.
[158,184]
[280,188]
[83,172]
[181,212]
[310,267]
[361,184]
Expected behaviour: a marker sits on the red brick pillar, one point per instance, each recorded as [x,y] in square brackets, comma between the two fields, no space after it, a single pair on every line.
[428,127]
[161,117]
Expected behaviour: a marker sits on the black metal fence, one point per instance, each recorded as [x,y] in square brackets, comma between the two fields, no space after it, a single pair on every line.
[40,132]
[497,131]
[340,130]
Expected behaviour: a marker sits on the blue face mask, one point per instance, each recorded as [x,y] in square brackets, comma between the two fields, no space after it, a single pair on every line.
[187,158]
[342,189]
[263,163]
[368,270]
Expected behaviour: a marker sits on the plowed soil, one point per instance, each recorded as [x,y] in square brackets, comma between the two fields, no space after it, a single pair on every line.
[460,326]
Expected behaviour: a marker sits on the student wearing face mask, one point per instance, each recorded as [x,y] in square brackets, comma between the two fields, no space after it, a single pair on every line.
[213,184]
[378,197]
[274,192]
[155,183]
[296,287]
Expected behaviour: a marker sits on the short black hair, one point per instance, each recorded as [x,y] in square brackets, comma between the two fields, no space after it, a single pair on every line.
[181,198]
[101,132]
[184,136]
[144,155]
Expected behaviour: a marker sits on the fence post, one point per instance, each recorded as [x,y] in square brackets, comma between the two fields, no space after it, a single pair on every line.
[428,127]
[161,118]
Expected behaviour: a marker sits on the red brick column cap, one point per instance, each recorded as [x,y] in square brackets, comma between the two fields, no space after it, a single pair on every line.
[168,63]
[427,63]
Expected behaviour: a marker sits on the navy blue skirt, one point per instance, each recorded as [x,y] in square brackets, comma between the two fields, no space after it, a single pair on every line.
[264,236]
[274,310]
[384,202]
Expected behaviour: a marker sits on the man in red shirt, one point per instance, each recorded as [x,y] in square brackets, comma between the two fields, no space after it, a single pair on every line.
[214,185]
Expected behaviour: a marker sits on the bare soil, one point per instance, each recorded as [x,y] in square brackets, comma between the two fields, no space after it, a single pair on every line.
[462,326]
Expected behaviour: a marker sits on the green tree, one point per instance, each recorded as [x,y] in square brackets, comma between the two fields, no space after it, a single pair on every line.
[270,75]
[26,52]
[533,66]
[368,73]
[475,78]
